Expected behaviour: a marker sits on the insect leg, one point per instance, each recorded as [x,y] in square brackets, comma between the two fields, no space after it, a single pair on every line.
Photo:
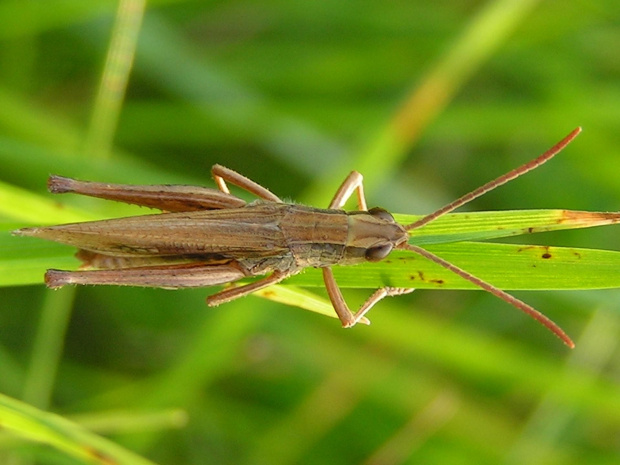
[234,293]
[221,174]
[169,276]
[378,295]
[353,183]
[347,318]
[171,198]
[340,306]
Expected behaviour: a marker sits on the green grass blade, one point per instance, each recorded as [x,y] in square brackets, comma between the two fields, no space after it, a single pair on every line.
[507,266]
[24,260]
[478,226]
[298,297]
[25,206]
[64,435]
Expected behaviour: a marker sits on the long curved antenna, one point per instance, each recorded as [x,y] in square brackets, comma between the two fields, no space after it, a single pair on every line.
[531,311]
[503,179]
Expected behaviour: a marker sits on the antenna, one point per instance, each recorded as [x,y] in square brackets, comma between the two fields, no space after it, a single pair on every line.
[503,179]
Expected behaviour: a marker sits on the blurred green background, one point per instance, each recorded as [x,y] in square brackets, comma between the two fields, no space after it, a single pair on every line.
[428,100]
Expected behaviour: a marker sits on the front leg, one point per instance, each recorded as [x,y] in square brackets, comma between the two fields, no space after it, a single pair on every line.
[347,318]
[354,183]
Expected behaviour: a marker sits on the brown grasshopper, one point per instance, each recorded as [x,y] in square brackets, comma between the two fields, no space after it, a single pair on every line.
[208,237]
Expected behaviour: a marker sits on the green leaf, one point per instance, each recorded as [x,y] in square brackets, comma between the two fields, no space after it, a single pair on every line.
[36,425]
[457,227]
[508,266]
[22,205]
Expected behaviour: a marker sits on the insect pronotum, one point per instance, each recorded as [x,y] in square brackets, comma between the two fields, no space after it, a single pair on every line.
[208,237]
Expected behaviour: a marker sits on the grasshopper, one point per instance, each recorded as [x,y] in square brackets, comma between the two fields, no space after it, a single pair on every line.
[208,237]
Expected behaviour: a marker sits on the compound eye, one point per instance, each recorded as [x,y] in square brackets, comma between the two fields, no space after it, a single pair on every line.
[381,213]
[375,254]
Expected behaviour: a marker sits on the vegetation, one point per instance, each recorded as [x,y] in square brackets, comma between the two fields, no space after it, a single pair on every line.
[428,100]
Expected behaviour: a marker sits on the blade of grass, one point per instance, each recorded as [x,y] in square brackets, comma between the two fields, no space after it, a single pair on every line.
[113,85]
[24,260]
[508,266]
[47,348]
[37,425]
[458,227]
[115,422]
[25,206]
[297,297]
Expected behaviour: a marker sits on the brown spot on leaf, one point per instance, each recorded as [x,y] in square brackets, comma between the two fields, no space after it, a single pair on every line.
[101,457]
[589,218]
[546,255]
